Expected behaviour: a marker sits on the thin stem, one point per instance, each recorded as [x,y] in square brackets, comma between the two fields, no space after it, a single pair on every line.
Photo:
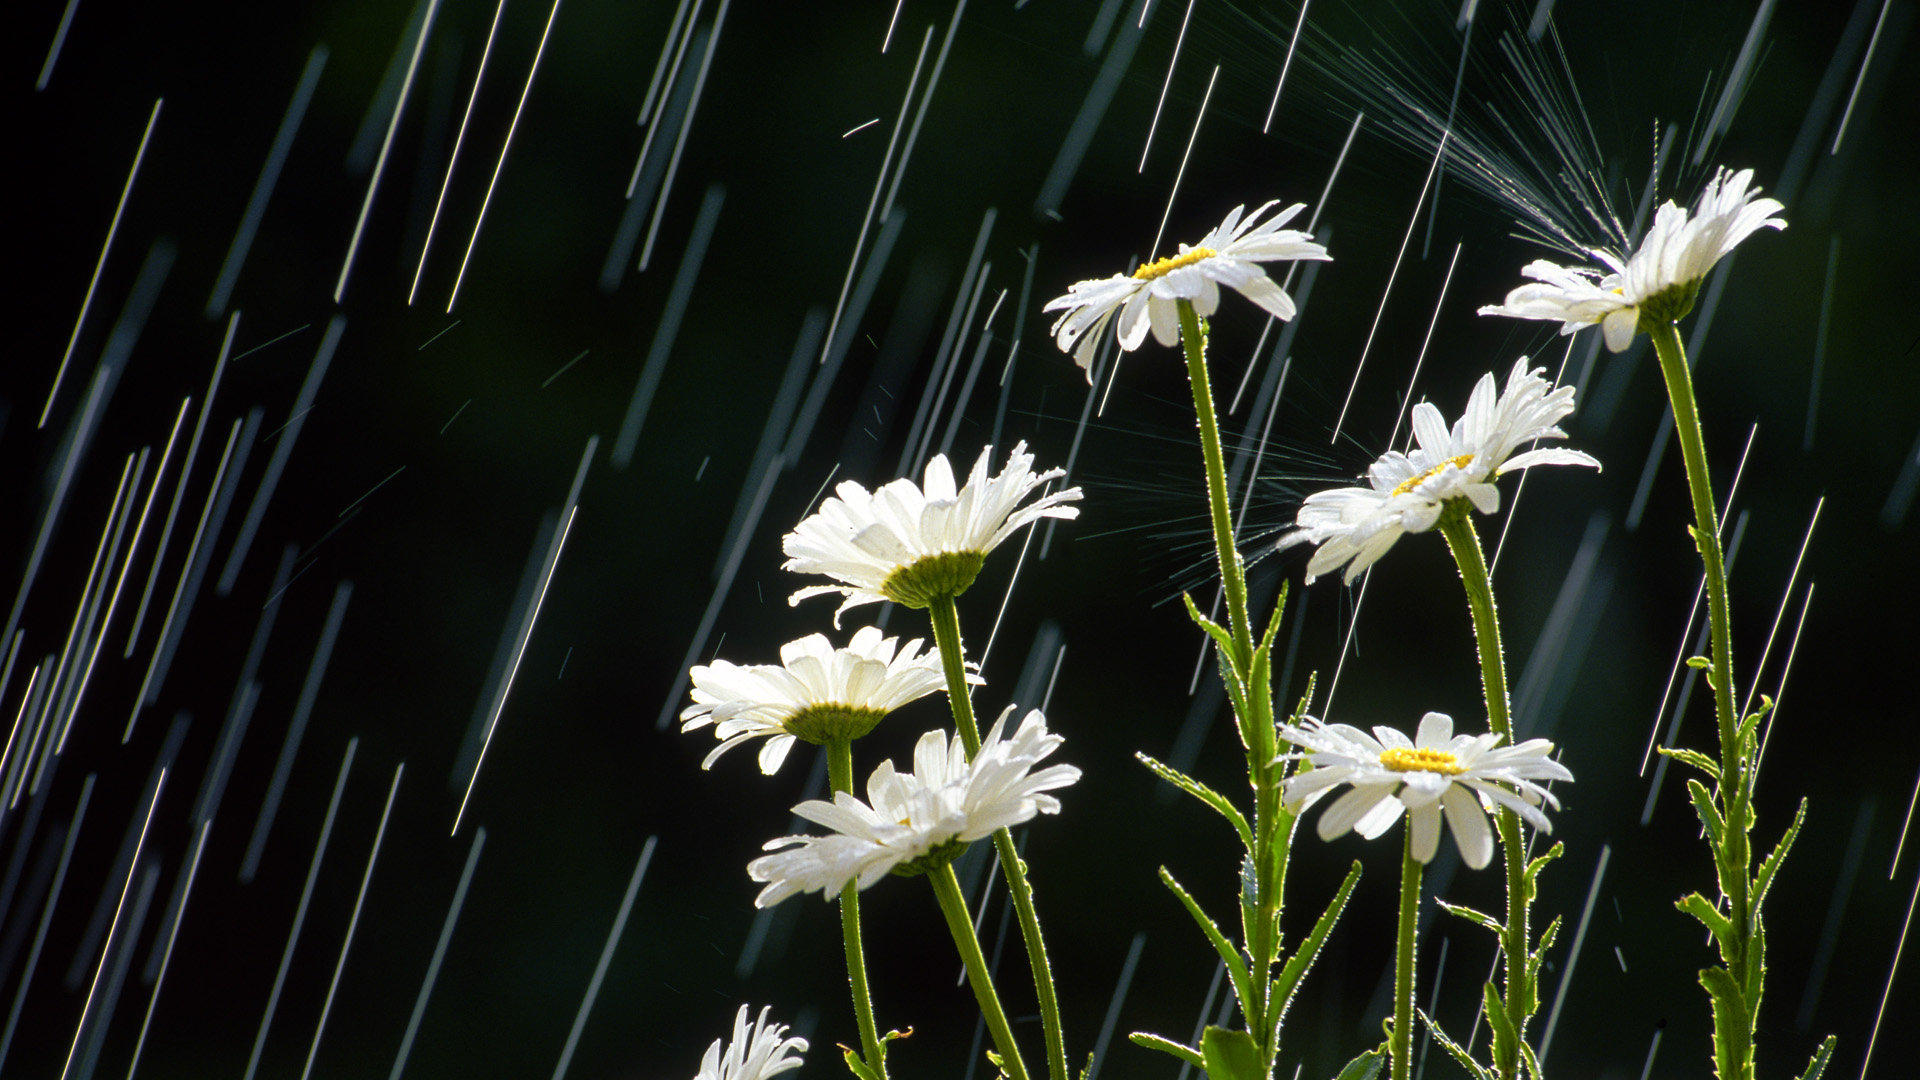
[1706,519]
[946,889]
[1456,524]
[840,775]
[1256,729]
[945,615]
[1233,574]
[1401,1049]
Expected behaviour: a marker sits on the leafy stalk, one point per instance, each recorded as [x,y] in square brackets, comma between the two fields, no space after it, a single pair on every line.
[1727,815]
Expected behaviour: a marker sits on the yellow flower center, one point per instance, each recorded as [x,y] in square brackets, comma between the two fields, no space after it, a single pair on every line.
[1423,759]
[1408,485]
[1163,267]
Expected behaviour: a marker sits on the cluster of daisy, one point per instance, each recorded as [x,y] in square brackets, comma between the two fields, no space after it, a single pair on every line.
[909,543]
[923,544]
[913,544]
[1408,491]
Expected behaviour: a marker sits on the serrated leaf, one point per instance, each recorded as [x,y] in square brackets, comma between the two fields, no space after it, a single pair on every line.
[1222,637]
[1536,958]
[1499,1023]
[1717,924]
[1230,1055]
[1306,698]
[1167,1046]
[1301,961]
[1236,964]
[1540,862]
[1732,1023]
[1771,864]
[1365,1066]
[1459,1053]
[1694,758]
[1205,794]
[1820,1058]
[1704,809]
[1478,918]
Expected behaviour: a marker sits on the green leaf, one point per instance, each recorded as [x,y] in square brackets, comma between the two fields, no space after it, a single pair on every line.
[1167,1046]
[1732,1024]
[1536,958]
[1301,961]
[1709,814]
[1306,698]
[856,1066]
[1478,918]
[1700,663]
[1204,793]
[1230,1055]
[1820,1058]
[1221,635]
[1694,758]
[1365,1066]
[1460,1053]
[1719,925]
[1261,674]
[1540,862]
[1771,864]
[1236,964]
[1499,1024]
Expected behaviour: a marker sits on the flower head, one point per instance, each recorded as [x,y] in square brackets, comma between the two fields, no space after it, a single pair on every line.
[1662,275]
[1148,298]
[913,543]
[913,822]
[1354,526]
[758,1050]
[816,692]
[1434,774]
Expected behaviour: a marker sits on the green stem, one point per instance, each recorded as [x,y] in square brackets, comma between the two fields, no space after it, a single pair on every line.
[840,775]
[1257,729]
[1706,519]
[946,889]
[945,615]
[1456,524]
[1401,1049]
[1733,862]
[1233,574]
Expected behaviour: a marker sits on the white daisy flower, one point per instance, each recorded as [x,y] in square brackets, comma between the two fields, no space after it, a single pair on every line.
[816,692]
[1663,273]
[1148,297]
[1433,774]
[914,822]
[915,543]
[1354,526]
[757,1051]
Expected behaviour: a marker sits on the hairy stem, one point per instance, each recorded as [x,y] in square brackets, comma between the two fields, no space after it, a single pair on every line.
[1256,729]
[946,889]
[1401,1049]
[1456,524]
[1734,861]
[946,634]
[840,775]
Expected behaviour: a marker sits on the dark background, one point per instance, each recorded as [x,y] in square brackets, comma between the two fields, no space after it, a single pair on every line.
[486,412]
